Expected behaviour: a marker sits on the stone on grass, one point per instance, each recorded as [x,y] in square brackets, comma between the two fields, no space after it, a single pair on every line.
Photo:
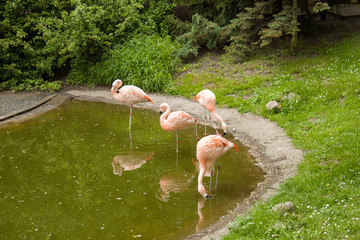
[272,105]
[284,207]
[294,96]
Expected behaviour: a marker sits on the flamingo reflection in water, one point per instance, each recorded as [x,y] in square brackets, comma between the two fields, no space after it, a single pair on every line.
[174,182]
[201,224]
[130,161]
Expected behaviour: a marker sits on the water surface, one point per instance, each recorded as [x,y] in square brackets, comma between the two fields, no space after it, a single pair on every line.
[74,172]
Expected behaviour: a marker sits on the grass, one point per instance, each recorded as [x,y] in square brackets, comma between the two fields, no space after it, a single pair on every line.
[323,120]
[145,61]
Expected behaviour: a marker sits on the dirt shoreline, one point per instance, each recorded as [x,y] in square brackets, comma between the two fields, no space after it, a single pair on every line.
[266,141]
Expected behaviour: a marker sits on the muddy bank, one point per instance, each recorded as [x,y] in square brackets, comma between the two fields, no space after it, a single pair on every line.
[267,142]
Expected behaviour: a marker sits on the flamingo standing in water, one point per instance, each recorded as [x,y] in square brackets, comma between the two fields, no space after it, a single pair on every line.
[175,121]
[209,149]
[207,99]
[129,94]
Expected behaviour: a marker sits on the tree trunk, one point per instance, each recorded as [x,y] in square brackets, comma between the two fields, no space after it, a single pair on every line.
[294,39]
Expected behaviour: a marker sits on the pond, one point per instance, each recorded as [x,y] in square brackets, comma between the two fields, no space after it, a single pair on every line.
[77,171]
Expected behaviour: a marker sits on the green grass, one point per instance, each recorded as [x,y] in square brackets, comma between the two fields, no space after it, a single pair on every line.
[324,123]
[145,61]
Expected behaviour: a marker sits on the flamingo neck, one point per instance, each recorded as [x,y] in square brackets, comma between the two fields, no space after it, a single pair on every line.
[113,92]
[117,95]
[115,89]
[201,188]
[165,115]
[217,116]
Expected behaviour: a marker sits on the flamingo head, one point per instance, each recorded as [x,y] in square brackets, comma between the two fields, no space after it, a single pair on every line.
[202,191]
[117,168]
[224,127]
[163,107]
[117,85]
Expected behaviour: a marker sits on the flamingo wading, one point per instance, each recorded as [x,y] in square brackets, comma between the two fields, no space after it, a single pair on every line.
[209,149]
[207,99]
[175,121]
[129,94]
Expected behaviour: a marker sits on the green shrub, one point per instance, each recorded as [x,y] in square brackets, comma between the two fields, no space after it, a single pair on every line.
[37,37]
[144,61]
[204,33]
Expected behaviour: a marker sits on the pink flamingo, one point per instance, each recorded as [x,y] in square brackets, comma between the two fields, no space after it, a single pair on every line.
[129,94]
[175,121]
[207,99]
[209,149]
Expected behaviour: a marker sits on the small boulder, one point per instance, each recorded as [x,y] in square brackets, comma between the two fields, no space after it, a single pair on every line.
[272,105]
[284,207]
[294,97]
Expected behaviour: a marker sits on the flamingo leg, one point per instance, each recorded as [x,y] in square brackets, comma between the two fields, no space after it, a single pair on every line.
[177,142]
[212,171]
[177,159]
[130,139]
[205,121]
[130,116]
[197,138]
[214,125]
[217,176]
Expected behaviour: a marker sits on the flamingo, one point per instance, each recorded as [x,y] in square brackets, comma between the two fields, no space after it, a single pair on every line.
[129,94]
[209,149]
[207,99]
[175,121]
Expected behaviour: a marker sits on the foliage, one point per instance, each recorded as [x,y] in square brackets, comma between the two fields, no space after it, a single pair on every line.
[218,11]
[37,37]
[242,31]
[251,28]
[283,23]
[320,7]
[23,61]
[145,61]
[323,122]
[204,33]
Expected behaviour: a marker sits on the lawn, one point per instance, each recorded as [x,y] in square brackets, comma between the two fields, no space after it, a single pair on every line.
[319,94]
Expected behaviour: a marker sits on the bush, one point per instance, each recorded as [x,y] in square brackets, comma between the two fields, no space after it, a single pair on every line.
[37,37]
[144,61]
[204,33]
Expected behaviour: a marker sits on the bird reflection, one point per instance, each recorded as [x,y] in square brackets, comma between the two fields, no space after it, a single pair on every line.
[201,223]
[174,182]
[130,161]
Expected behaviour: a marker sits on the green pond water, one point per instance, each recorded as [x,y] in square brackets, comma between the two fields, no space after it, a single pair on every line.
[73,173]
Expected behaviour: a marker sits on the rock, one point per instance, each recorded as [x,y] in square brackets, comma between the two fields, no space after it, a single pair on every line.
[272,105]
[284,207]
[294,97]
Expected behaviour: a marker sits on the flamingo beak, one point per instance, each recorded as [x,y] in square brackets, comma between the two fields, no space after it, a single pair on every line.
[117,91]
[224,133]
[208,196]
[161,112]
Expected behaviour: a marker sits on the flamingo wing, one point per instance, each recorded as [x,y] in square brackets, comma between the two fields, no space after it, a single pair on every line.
[207,99]
[214,146]
[132,94]
[179,120]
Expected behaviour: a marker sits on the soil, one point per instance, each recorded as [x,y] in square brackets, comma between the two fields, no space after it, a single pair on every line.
[267,142]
